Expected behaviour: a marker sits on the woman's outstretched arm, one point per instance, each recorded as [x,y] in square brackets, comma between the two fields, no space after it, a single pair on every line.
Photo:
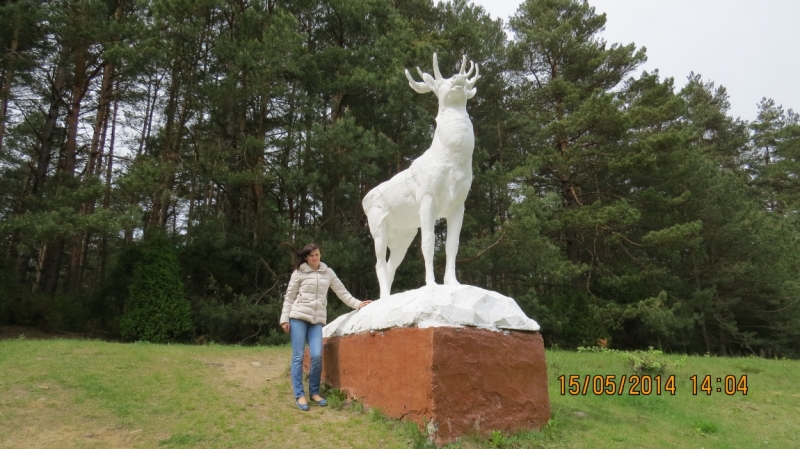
[344,295]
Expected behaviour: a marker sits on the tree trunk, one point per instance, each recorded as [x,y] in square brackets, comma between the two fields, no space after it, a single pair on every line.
[158,213]
[705,335]
[233,190]
[49,129]
[80,85]
[80,247]
[16,238]
[50,266]
[70,161]
[80,244]
[107,195]
[42,166]
[192,195]
[148,113]
[100,122]
[70,158]
[570,201]
[6,92]
[73,116]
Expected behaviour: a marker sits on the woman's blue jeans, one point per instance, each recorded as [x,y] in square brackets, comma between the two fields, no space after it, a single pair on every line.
[301,332]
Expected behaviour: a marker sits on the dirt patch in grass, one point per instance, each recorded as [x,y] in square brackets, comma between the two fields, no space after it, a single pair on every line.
[252,373]
[262,385]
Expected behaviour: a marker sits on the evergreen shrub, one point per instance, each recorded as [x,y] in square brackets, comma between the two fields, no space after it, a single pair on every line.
[107,304]
[651,362]
[156,309]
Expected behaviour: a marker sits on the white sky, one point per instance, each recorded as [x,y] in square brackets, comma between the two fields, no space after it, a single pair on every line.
[752,47]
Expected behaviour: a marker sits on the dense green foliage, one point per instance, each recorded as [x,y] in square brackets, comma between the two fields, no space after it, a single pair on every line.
[610,203]
[156,310]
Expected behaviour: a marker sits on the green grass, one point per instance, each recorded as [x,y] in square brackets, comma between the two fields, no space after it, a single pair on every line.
[71,393]
[80,393]
[765,417]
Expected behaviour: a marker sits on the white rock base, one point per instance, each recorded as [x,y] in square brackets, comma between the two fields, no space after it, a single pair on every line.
[436,305]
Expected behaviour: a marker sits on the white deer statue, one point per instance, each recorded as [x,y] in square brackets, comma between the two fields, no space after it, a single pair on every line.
[434,186]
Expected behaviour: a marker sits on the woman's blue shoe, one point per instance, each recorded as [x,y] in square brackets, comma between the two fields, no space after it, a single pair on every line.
[322,402]
[303,407]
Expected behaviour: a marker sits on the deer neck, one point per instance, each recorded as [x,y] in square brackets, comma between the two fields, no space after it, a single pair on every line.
[454,135]
[460,110]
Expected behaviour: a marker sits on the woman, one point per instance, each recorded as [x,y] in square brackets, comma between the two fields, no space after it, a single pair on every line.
[304,314]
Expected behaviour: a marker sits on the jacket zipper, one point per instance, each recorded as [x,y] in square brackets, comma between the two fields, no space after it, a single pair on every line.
[316,298]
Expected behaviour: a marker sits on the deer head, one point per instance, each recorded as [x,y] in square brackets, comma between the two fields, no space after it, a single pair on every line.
[451,92]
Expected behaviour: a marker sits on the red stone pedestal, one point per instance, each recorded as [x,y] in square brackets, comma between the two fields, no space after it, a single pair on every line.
[457,380]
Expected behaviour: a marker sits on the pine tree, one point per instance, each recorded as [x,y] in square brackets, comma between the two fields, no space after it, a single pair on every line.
[774,157]
[570,126]
[156,310]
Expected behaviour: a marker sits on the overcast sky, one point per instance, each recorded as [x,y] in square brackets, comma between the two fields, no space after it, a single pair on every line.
[752,47]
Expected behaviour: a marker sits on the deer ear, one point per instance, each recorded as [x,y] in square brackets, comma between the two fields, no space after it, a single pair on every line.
[471,93]
[430,82]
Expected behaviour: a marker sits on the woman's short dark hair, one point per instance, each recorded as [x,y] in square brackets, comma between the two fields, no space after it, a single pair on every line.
[300,256]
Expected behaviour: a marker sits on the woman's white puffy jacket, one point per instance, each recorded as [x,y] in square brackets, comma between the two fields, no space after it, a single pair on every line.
[307,296]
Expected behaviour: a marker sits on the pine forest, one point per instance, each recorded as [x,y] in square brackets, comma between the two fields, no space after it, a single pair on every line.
[171,152]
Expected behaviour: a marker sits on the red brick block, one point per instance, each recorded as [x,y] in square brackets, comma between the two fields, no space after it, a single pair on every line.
[457,380]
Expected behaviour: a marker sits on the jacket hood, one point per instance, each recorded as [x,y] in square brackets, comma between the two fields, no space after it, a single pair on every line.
[306,269]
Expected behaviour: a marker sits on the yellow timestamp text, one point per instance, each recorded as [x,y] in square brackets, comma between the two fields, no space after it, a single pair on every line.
[610,384]
[645,385]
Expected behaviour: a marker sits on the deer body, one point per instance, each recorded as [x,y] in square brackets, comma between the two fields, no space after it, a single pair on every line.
[434,186]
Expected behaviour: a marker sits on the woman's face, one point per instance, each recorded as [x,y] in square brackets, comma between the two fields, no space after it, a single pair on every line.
[312,259]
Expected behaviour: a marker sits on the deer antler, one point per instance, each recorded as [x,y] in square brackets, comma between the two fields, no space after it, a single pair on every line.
[463,65]
[436,73]
[471,69]
[471,82]
[419,87]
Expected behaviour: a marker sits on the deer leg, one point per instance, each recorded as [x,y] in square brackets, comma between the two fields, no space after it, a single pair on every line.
[454,222]
[427,223]
[401,241]
[380,237]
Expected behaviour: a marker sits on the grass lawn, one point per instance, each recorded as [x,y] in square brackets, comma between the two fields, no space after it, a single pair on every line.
[85,393]
[768,416]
